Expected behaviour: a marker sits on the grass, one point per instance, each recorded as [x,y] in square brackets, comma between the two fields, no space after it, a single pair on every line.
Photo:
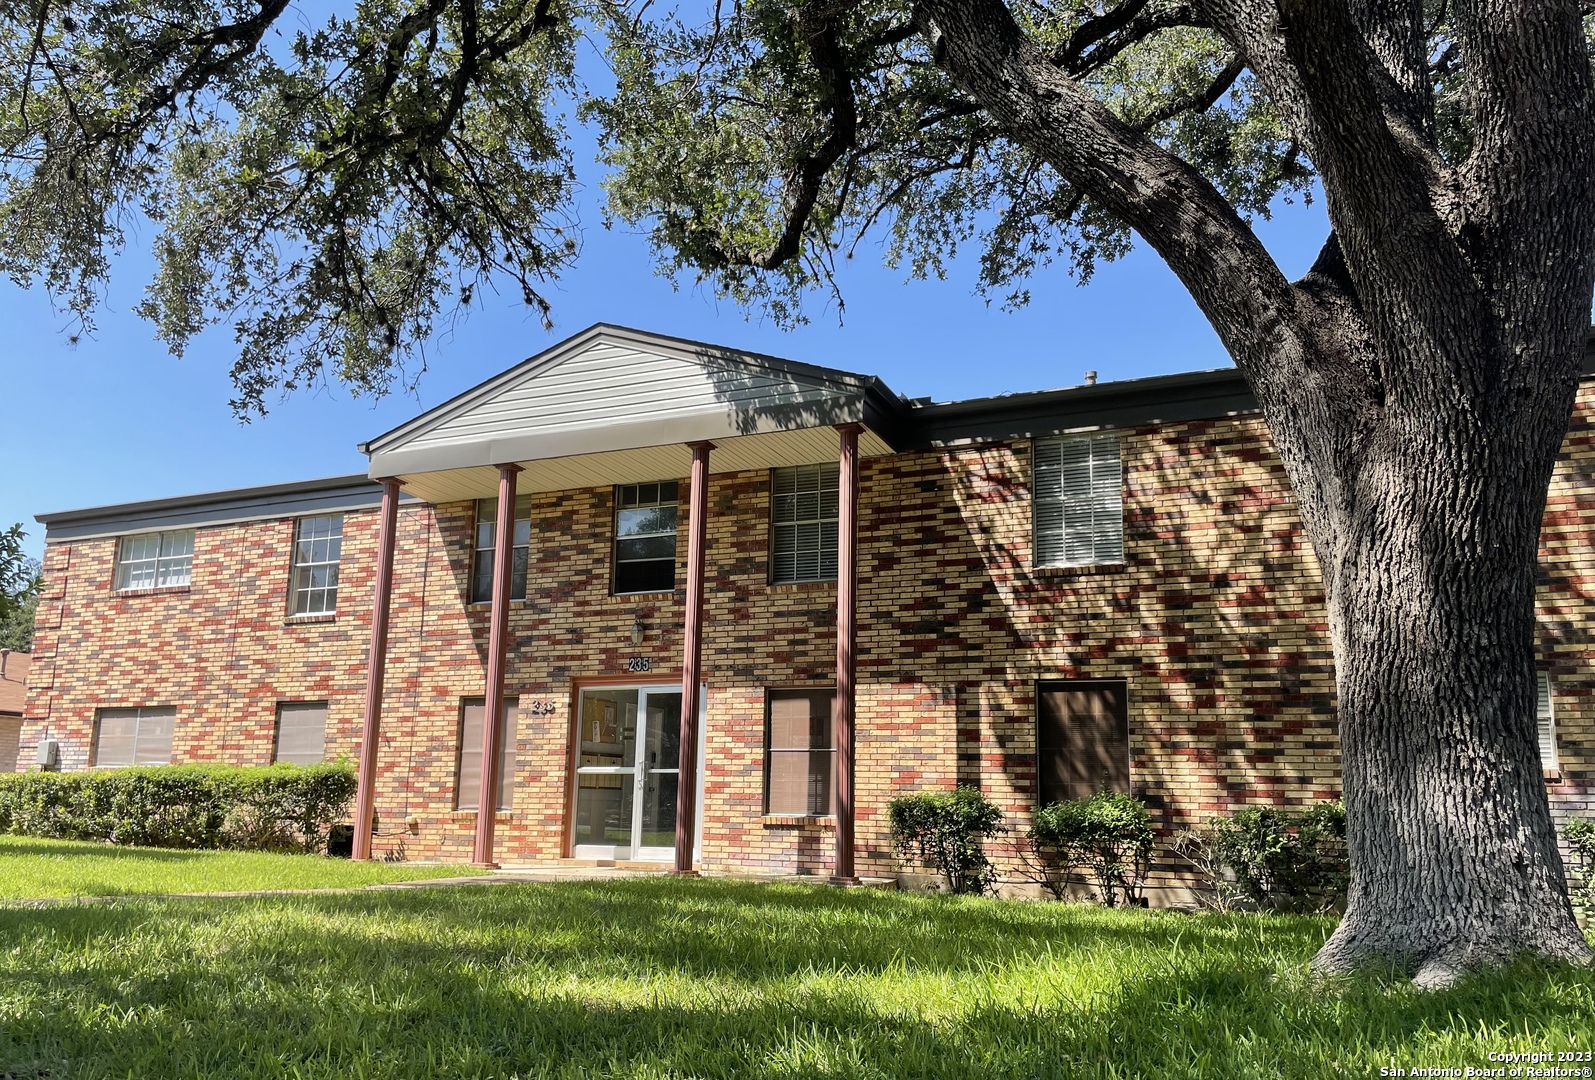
[675,978]
[36,869]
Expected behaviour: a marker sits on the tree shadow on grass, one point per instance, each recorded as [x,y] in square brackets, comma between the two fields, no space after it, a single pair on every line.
[719,980]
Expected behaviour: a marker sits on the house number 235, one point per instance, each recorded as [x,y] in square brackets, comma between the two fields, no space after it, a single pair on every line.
[639,663]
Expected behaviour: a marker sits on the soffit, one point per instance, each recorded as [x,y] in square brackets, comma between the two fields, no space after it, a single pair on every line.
[810,446]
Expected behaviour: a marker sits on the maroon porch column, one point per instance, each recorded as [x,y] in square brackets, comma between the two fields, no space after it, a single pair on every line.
[846,638]
[365,795]
[497,646]
[692,659]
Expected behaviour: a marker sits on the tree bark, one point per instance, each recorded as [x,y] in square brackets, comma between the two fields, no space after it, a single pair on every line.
[1430,588]
[1417,384]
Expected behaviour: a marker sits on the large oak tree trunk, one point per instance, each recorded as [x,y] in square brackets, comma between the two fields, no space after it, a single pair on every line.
[1430,582]
[1417,383]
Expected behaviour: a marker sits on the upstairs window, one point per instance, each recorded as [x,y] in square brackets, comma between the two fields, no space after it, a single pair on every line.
[645,537]
[155,560]
[301,732]
[318,547]
[133,737]
[486,543]
[1077,492]
[803,516]
[1546,717]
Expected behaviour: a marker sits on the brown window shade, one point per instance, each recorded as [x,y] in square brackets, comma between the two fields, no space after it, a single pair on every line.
[301,732]
[1082,740]
[133,737]
[469,788]
[799,754]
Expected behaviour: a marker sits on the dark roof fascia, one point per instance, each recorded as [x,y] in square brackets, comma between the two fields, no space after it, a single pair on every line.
[216,508]
[1161,399]
[1192,395]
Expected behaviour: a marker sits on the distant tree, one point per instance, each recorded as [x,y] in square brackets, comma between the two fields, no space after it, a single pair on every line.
[19,591]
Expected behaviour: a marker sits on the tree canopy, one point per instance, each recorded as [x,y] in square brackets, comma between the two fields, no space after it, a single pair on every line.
[19,591]
[334,193]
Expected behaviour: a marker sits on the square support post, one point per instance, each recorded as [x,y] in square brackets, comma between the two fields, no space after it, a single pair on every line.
[692,658]
[365,795]
[497,650]
[846,642]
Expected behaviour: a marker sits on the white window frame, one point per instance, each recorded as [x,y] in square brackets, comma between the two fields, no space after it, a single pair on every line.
[296,709]
[805,522]
[319,551]
[168,565]
[484,547]
[1545,721]
[138,715]
[1077,500]
[638,504]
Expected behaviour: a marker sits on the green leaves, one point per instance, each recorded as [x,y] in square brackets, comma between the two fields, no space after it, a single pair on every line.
[947,829]
[1109,834]
[329,193]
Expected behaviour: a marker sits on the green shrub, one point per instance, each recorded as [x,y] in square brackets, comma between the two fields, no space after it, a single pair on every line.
[947,830]
[1580,835]
[181,806]
[1109,834]
[1273,859]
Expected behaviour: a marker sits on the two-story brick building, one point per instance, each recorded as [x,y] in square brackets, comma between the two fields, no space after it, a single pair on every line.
[1042,594]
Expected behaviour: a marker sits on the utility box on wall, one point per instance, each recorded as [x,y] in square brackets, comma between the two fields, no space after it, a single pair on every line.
[49,754]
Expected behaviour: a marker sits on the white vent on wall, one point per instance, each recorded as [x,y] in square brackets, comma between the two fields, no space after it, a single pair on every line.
[1547,722]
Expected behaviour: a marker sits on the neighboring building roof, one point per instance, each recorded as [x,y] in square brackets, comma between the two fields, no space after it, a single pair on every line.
[13,684]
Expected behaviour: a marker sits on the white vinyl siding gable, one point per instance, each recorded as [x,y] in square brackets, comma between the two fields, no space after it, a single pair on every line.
[1078,501]
[1546,721]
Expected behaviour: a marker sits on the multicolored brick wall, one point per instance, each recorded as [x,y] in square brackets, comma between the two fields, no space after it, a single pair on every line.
[1215,620]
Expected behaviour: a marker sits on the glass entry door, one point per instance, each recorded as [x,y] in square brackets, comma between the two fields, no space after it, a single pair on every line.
[628,747]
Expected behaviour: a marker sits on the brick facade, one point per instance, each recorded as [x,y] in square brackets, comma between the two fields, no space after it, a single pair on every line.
[1215,620]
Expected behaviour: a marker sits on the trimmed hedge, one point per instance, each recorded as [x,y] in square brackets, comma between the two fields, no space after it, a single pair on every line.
[276,807]
[1272,858]
[1109,834]
[946,830]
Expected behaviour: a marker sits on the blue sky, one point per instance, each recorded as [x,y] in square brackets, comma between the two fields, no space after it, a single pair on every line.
[116,418]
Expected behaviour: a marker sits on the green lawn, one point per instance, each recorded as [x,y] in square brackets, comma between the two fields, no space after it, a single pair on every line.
[33,869]
[666,978]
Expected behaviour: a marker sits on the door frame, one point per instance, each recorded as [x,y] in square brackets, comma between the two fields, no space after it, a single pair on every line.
[639,681]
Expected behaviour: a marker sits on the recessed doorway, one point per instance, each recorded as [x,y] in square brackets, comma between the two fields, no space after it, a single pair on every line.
[627,772]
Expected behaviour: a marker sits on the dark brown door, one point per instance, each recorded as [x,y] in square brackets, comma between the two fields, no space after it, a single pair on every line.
[1082,739]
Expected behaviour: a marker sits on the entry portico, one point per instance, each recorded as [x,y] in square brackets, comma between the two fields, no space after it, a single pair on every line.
[614,407]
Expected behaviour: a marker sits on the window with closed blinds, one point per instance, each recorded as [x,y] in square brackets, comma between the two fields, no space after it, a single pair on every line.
[468,787]
[1546,717]
[125,737]
[1082,739]
[1078,502]
[301,732]
[800,756]
[803,523]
